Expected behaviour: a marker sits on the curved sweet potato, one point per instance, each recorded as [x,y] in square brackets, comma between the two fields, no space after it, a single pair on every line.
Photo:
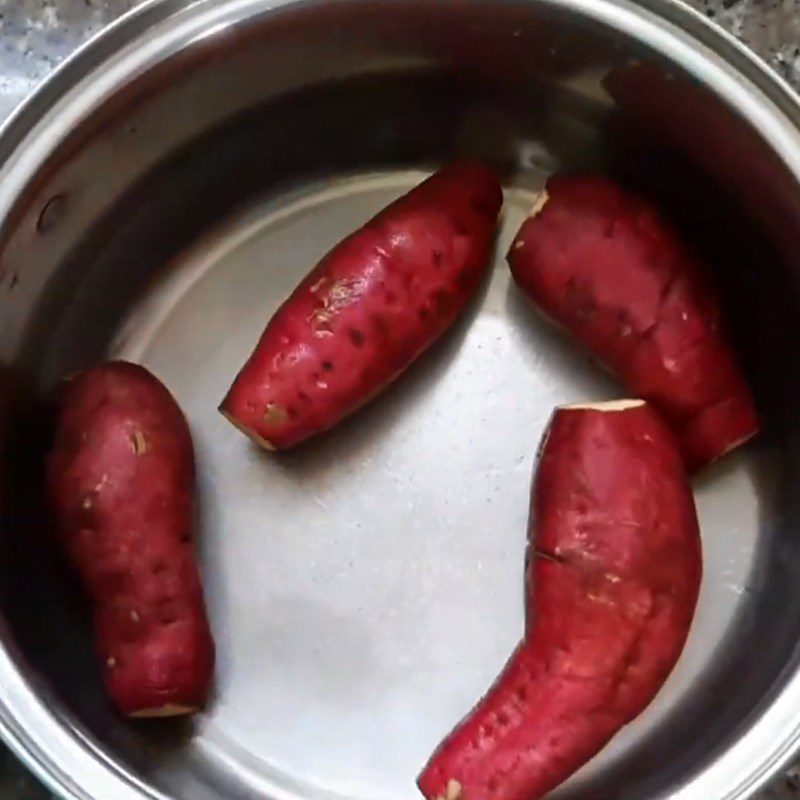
[368,309]
[121,483]
[613,577]
[607,267]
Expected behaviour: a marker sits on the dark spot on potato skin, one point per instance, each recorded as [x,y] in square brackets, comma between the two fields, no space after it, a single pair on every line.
[292,412]
[356,336]
[423,313]
[327,366]
[436,258]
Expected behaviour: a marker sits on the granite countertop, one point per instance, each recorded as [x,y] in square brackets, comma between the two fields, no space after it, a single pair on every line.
[35,35]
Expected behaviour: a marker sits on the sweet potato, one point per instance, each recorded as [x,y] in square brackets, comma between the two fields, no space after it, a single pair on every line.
[614,569]
[368,309]
[608,267]
[120,479]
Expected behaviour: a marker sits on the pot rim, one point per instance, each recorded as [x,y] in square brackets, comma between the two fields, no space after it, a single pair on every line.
[52,745]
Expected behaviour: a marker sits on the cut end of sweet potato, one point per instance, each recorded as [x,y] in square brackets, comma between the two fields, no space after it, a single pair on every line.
[251,434]
[606,406]
[541,202]
[719,430]
[742,440]
[452,791]
[163,712]
[731,446]
[521,240]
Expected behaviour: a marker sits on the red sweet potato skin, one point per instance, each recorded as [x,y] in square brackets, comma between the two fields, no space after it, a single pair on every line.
[121,481]
[607,267]
[613,577]
[368,309]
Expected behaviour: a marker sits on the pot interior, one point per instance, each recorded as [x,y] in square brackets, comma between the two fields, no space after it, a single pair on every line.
[365,589]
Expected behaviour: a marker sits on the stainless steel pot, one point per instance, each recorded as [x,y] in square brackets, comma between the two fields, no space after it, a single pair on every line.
[162,192]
